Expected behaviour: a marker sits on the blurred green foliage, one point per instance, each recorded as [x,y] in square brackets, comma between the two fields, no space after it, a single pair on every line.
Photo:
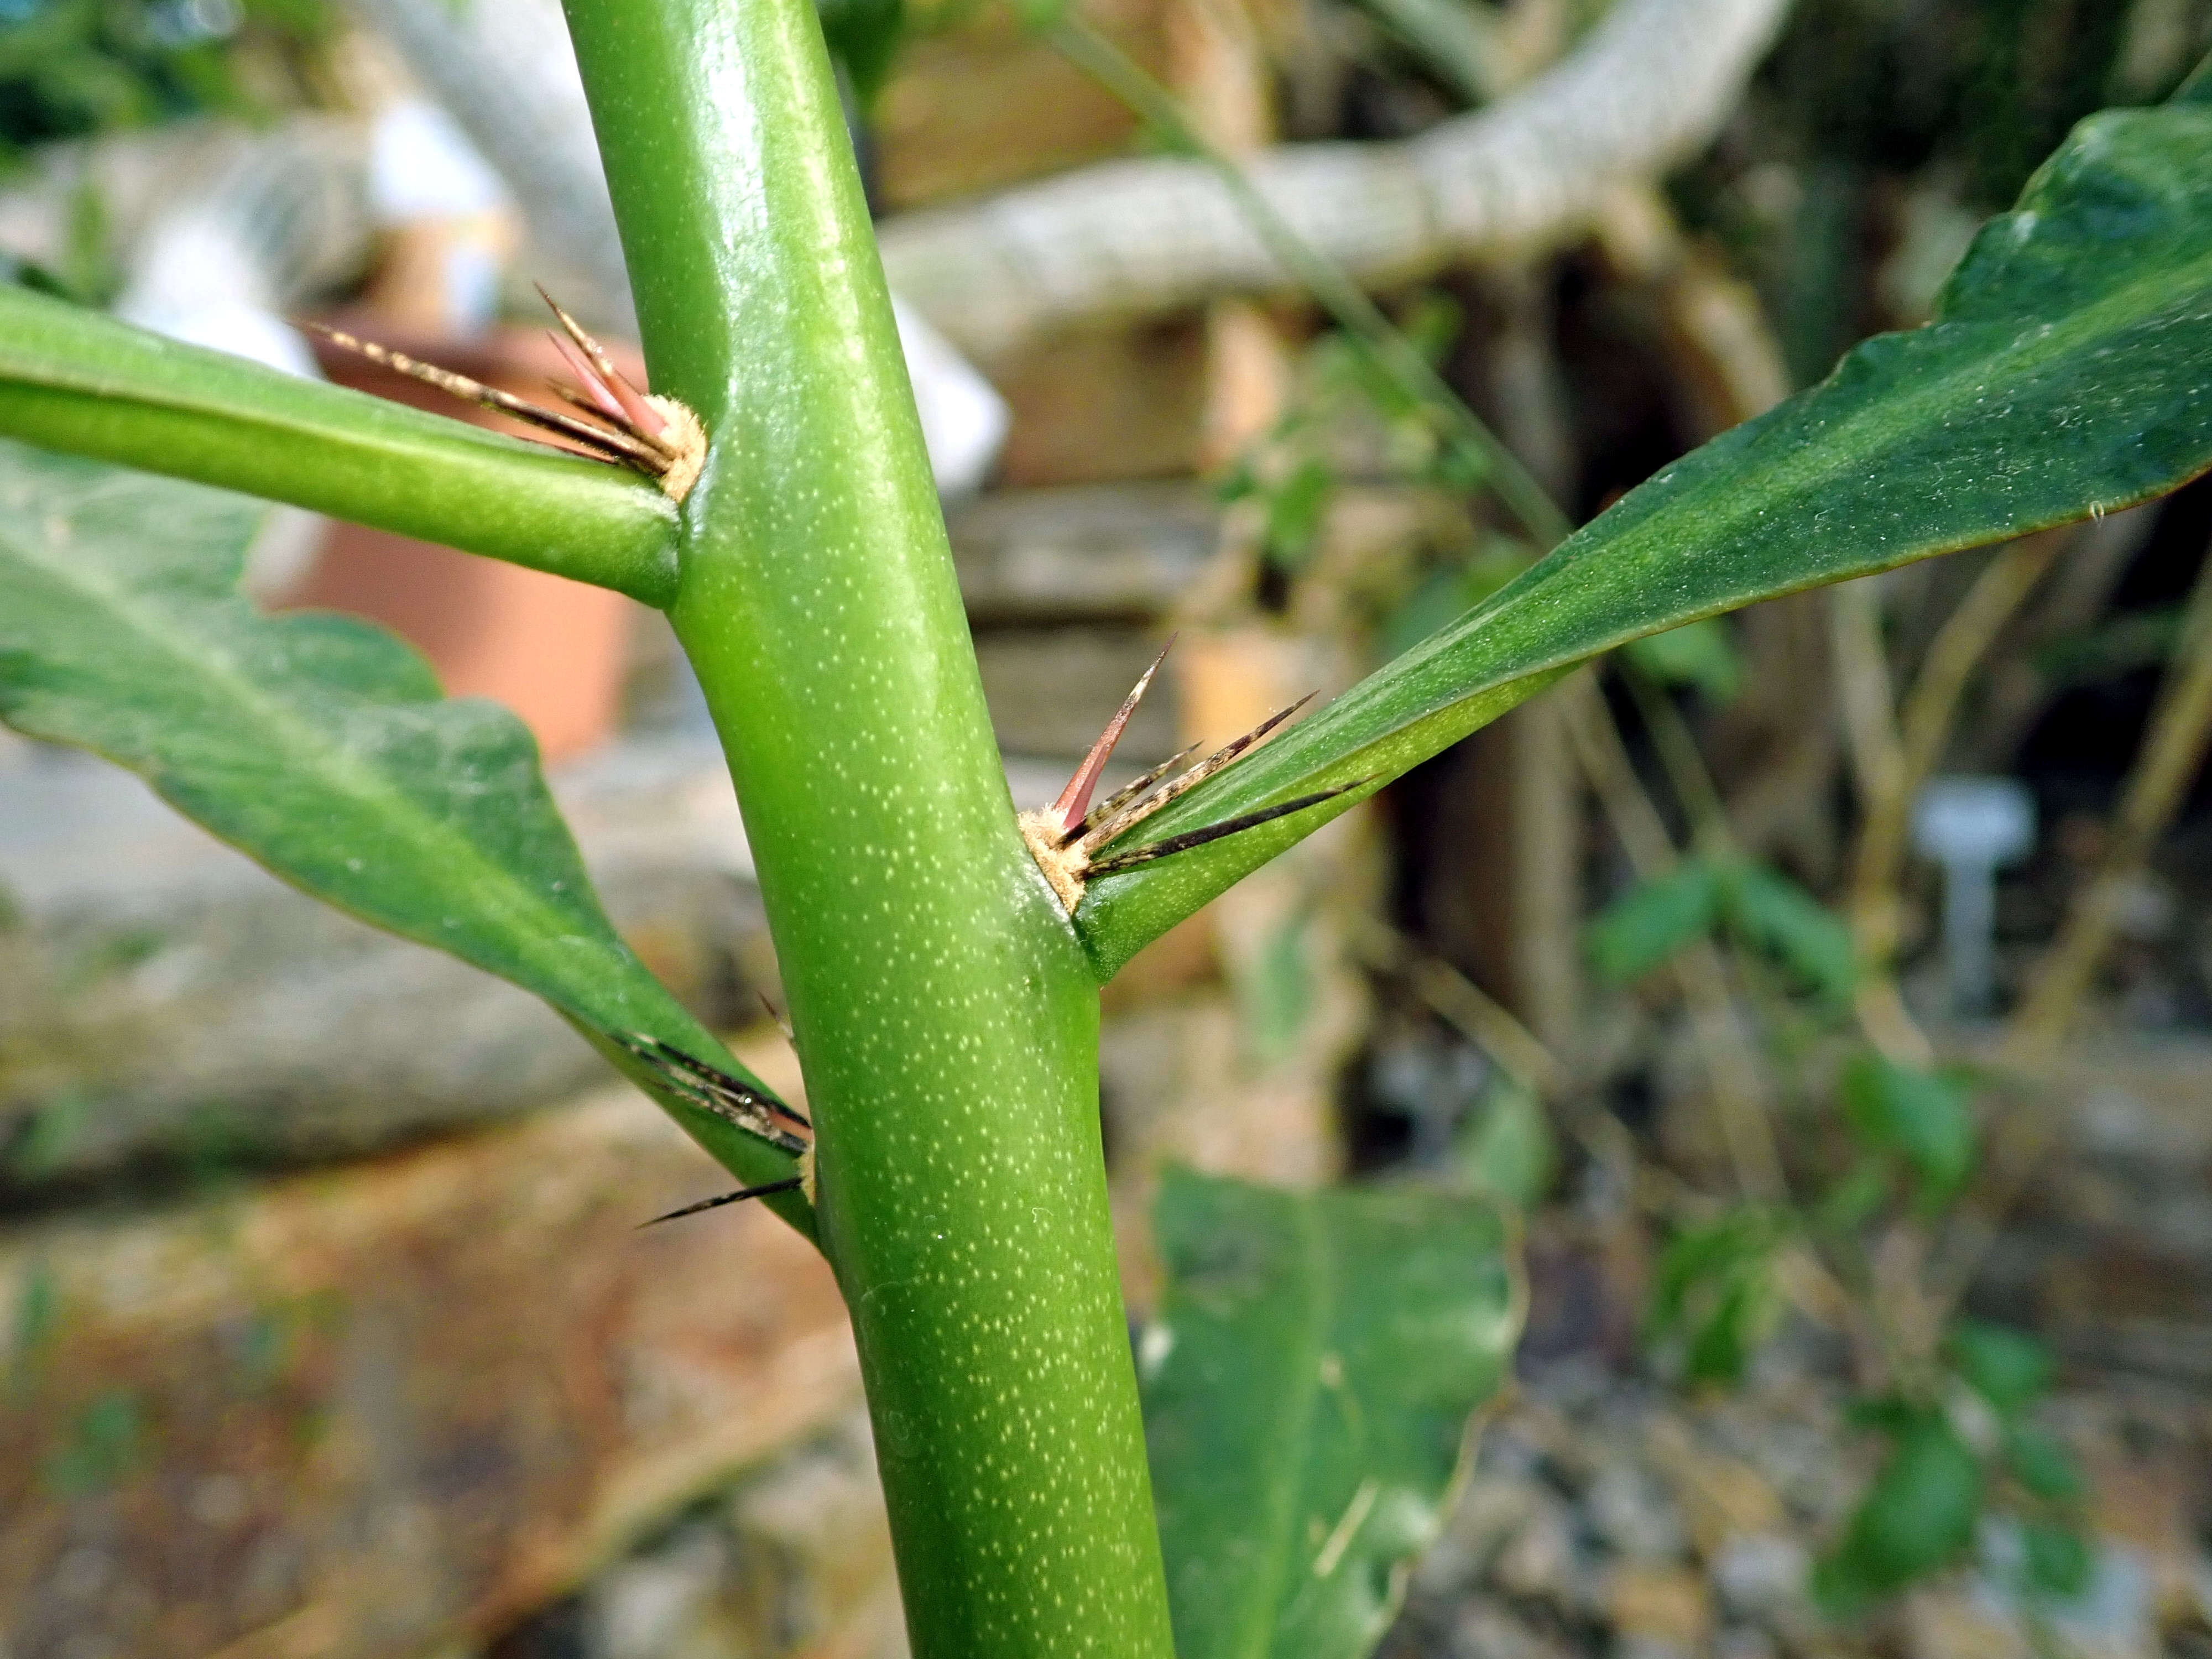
[70,69]
[104,1442]
[1954,1479]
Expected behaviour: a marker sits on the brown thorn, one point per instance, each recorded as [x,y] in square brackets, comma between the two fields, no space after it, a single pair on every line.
[1227,755]
[1237,825]
[575,397]
[738,1197]
[1075,800]
[594,395]
[587,378]
[715,1091]
[618,447]
[1128,792]
[649,420]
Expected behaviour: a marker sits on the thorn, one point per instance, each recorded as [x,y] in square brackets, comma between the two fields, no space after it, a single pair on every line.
[1075,800]
[593,388]
[1127,793]
[618,447]
[1189,839]
[782,1024]
[738,1197]
[715,1090]
[647,421]
[1130,816]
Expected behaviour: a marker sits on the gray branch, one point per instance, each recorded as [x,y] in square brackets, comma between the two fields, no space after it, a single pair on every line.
[1650,86]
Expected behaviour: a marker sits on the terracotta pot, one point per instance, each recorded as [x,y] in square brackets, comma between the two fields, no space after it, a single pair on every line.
[553,650]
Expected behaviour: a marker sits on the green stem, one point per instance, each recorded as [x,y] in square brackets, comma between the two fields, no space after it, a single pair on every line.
[946,1017]
[76,380]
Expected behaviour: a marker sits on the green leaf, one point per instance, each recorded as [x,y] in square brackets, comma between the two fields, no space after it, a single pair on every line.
[1701,654]
[2069,372]
[1773,914]
[1854,1198]
[2058,1559]
[107,1442]
[1275,994]
[75,380]
[1308,1382]
[2007,1368]
[1653,920]
[1295,508]
[1506,1149]
[2040,1461]
[1891,1414]
[1714,1291]
[1920,1116]
[1917,1517]
[315,742]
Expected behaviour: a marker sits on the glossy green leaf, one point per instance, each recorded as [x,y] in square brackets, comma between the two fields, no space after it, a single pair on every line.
[1653,920]
[2069,372]
[1918,1515]
[315,742]
[2006,1367]
[1919,1116]
[76,380]
[1308,1382]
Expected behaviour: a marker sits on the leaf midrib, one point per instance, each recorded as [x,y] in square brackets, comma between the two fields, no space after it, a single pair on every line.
[1793,474]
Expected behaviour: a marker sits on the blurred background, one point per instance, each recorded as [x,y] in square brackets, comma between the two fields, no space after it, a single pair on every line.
[1830,985]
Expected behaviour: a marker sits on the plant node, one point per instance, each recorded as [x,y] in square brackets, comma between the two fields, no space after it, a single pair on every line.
[1066,838]
[655,435]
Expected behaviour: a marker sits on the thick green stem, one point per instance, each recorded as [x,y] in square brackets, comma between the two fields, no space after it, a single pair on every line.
[945,1015]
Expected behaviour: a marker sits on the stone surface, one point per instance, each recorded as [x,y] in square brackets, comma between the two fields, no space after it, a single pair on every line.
[987,103]
[1122,552]
[1609,1517]
[1052,690]
[395,1407]
[1104,404]
[1665,1606]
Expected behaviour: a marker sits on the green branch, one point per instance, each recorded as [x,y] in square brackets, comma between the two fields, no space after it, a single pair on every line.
[78,381]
